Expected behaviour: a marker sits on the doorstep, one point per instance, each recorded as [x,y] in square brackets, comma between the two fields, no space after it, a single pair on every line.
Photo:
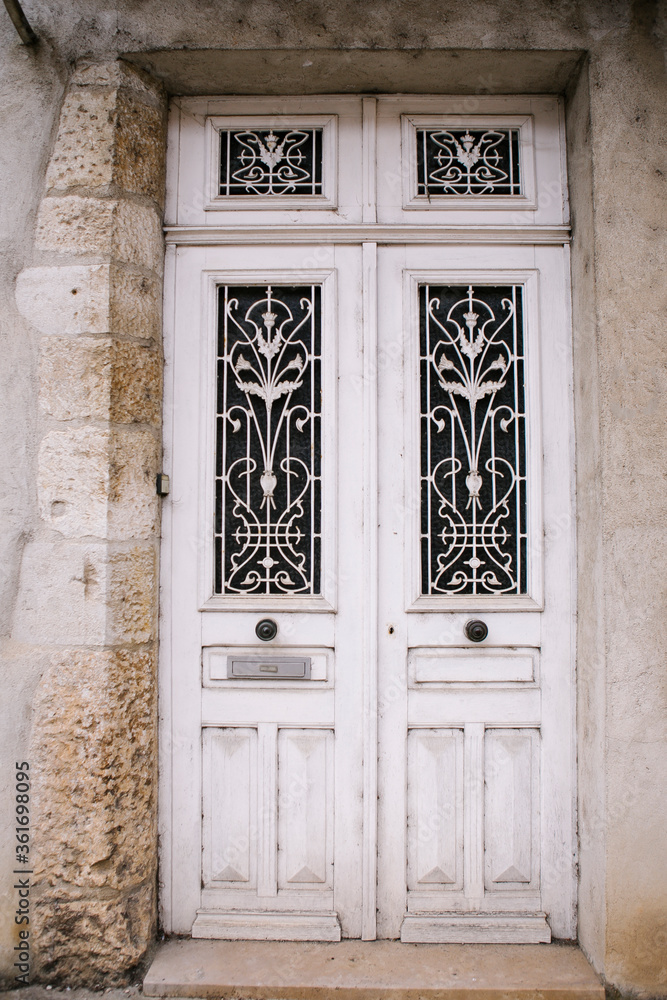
[370,970]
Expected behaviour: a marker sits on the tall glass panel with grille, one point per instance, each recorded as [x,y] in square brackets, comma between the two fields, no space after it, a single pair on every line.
[473,441]
[268,441]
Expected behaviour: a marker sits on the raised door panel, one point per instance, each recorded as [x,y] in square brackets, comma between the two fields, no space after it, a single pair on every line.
[511,810]
[230,807]
[435,809]
[305,809]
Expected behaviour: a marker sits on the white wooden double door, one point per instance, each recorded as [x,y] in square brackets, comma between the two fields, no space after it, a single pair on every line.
[417,784]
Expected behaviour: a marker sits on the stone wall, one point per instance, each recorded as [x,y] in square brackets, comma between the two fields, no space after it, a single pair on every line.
[79,425]
[88,588]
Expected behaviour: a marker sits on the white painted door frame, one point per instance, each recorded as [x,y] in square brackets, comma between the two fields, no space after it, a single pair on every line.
[374,246]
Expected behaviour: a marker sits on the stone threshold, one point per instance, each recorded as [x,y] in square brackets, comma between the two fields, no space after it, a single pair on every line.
[370,970]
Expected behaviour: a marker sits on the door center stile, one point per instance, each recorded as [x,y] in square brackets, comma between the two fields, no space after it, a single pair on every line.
[370,573]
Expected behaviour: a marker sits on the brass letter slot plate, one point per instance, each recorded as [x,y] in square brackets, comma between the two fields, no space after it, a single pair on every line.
[293,668]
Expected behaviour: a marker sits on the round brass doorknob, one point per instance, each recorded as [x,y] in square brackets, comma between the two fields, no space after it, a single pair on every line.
[266,629]
[476,630]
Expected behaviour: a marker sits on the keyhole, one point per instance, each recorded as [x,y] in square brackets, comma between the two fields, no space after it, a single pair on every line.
[391,630]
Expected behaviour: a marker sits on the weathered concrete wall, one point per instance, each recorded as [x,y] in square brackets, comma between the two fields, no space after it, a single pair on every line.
[31,90]
[78,563]
[628,113]
[591,692]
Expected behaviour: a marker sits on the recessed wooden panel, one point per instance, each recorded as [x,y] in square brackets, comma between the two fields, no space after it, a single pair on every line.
[471,666]
[435,809]
[511,808]
[305,808]
[230,806]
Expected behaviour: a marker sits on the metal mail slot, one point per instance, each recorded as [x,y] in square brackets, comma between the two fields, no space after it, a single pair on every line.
[294,668]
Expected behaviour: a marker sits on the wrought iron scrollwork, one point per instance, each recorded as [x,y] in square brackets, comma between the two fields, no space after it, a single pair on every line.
[268,479]
[271,162]
[468,161]
[473,506]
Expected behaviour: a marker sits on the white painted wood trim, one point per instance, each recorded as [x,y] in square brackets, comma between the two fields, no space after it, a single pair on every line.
[544,204]
[370,570]
[558,763]
[181,705]
[267,753]
[172,167]
[473,813]
[166,621]
[346,233]
[477,928]
[248,926]
[369,157]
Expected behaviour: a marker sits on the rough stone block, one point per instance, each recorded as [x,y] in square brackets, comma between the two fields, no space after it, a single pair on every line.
[100,379]
[99,482]
[136,387]
[90,298]
[93,756]
[84,151]
[65,300]
[109,137]
[137,237]
[84,593]
[132,599]
[139,153]
[62,594]
[122,230]
[75,225]
[93,942]
[74,377]
[133,503]
[97,74]
[73,481]
[136,304]
[116,74]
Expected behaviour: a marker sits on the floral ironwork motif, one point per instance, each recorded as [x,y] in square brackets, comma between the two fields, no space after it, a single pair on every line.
[271,161]
[473,451]
[468,161]
[268,478]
